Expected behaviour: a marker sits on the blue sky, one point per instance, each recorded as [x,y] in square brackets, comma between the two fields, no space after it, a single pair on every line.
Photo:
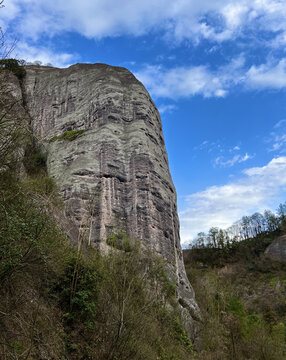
[215,69]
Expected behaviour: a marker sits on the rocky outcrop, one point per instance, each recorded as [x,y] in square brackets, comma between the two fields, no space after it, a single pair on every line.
[277,249]
[104,141]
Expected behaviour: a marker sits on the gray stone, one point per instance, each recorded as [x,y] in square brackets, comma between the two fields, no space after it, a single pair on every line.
[277,249]
[113,176]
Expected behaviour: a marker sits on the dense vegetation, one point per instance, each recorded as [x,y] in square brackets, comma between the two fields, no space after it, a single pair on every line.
[242,296]
[59,303]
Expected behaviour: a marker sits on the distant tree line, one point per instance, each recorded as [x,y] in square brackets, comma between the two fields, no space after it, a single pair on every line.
[245,228]
[39,63]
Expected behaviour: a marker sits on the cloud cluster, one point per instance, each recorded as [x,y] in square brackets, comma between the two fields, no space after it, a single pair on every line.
[238,158]
[176,21]
[46,55]
[277,138]
[194,20]
[223,155]
[270,75]
[212,147]
[166,108]
[180,82]
[222,205]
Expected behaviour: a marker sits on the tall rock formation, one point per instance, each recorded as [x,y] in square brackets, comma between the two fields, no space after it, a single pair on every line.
[103,136]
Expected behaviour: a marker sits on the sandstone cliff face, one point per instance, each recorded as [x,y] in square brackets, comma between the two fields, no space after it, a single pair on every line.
[114,174]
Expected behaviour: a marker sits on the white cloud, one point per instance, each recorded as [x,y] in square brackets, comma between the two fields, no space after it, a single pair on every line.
[279,41]
[164,108]
[279,142]
[221,161]
[188,81]
[32,53]
[9,13]
[260,188]
[277,138]
[218,20]
[279,123]
[218,147]
[204,145]
[267,75]
[234,14]
[180,82]
[175,20]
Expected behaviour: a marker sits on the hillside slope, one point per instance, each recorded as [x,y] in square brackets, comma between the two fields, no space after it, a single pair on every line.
[242,295]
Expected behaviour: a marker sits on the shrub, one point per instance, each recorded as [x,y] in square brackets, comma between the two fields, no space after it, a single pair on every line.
[41,185]
[34,158]
[14,66]
[26,233]
[78,289]
[120,241]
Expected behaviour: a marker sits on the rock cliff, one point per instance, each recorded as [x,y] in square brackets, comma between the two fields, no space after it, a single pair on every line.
[104,141]
[277,249]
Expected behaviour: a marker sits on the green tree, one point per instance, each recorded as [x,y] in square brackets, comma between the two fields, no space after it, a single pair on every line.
[213,236]
[281,212]
[271,221]
[200,240]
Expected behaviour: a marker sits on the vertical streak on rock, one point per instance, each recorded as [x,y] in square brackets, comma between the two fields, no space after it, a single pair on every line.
[133,215]
[102,196]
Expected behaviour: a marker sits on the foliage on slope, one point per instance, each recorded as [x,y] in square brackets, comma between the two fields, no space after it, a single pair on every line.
[15,66]
[58,303]
[242,296]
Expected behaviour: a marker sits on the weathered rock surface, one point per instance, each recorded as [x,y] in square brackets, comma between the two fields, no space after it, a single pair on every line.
[12,118]
[277,249]
[114,175]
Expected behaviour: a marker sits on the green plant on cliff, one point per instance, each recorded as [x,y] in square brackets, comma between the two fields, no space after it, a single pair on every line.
[35,158]
[15,66]
[68,135]
[120,241]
